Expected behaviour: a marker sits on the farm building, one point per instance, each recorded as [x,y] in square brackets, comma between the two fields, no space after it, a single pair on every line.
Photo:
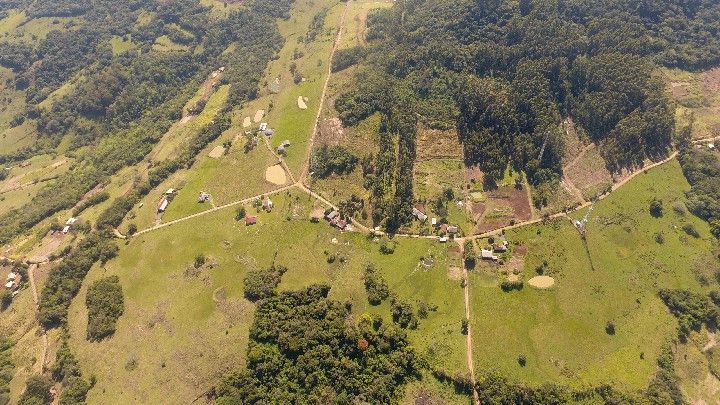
[163,205]
[419,214]
[71,221]
[280,150]
[203,197]
[443,228]
[170,191]
[501,247]
[263,126]
[332,215]
[486,254]
[66,229]
[339,223]
[268,132]
[451,229]
[250,220]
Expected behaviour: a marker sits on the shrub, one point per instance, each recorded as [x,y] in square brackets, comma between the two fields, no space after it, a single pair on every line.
[199,261]
[691,230]
[656,208]
[375,286]
[328,160]
[465,326]
[105,304]
[522,360]
[610,328]
[508,285]
[261,283]
[344,58]
[132,229]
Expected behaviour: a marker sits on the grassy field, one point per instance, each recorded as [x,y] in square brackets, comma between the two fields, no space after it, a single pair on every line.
[120,45]
[562,331]
[17,27]
[183,330]
[697,95]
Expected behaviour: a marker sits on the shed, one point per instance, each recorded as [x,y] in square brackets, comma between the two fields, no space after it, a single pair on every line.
[9,284]
[332,215]
[268,132]
[286,143]
[250,220]
[443,228]
[163,205]
[11,276]
[170,191]
[443,239]
[263,126]
[280,150]
[66,229]
[433,221]
[71,221]
[452,229]
[486,254]
[267,204]
[419,214]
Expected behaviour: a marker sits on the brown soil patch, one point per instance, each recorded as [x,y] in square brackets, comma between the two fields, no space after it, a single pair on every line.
[474,175]
[711,81]
[520,250]
[331,132]
[217,152]
[541,282]
[573,144]
[436,144]
[589,174]
[478,209]
[361,27]
[503,206]
[276,175]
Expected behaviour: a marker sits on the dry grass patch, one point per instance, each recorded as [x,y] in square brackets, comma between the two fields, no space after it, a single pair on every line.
[436,144]
[589,174]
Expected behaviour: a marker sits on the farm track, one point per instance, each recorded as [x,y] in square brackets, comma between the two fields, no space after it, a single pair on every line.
[33,287]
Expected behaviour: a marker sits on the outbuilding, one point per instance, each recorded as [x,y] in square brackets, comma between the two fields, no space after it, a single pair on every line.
[250,220]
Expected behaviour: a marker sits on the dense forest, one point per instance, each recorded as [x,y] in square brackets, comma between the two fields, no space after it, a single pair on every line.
[121,104]
[506,74]
[304,348]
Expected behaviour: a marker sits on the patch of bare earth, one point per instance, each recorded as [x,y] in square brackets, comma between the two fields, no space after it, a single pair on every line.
[437,144]
[276,175]
[503,206]
[541,282]
[455,273]
[217,152]
[331,132]
[589,173]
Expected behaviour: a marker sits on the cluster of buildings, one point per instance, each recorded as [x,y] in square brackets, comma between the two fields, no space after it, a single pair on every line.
[336,220]
[267,206]
[12,282]
[444,229]
[496,248]
[68,224]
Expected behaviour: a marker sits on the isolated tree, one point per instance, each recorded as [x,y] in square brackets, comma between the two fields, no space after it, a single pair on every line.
[656,208]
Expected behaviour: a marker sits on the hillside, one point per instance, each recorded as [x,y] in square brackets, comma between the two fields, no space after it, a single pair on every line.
[325,201]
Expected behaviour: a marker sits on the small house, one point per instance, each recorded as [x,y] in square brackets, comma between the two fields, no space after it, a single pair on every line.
[11,276]
[163,205]
[71,221]
[250,220]
[419,215]
[443,239]
[263,126]
[451,229]
[280,150]
[10,284]
[444,228]
[66,229]
[268,132]
[203,197]
[433,222]
[487,254]
[332,215]
[711,146]
[170,191]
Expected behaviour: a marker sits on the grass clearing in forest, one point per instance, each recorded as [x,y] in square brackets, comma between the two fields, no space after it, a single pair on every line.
[561,331]
[697,95]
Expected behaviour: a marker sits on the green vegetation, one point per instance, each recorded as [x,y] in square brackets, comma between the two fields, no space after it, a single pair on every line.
[37,391]
[328,160]
[303,349]
[702,170]
[67,372]
[262,283]
[692,309]
[6,369]
[614,275]
[105,305]
[375,286]
[66,277]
